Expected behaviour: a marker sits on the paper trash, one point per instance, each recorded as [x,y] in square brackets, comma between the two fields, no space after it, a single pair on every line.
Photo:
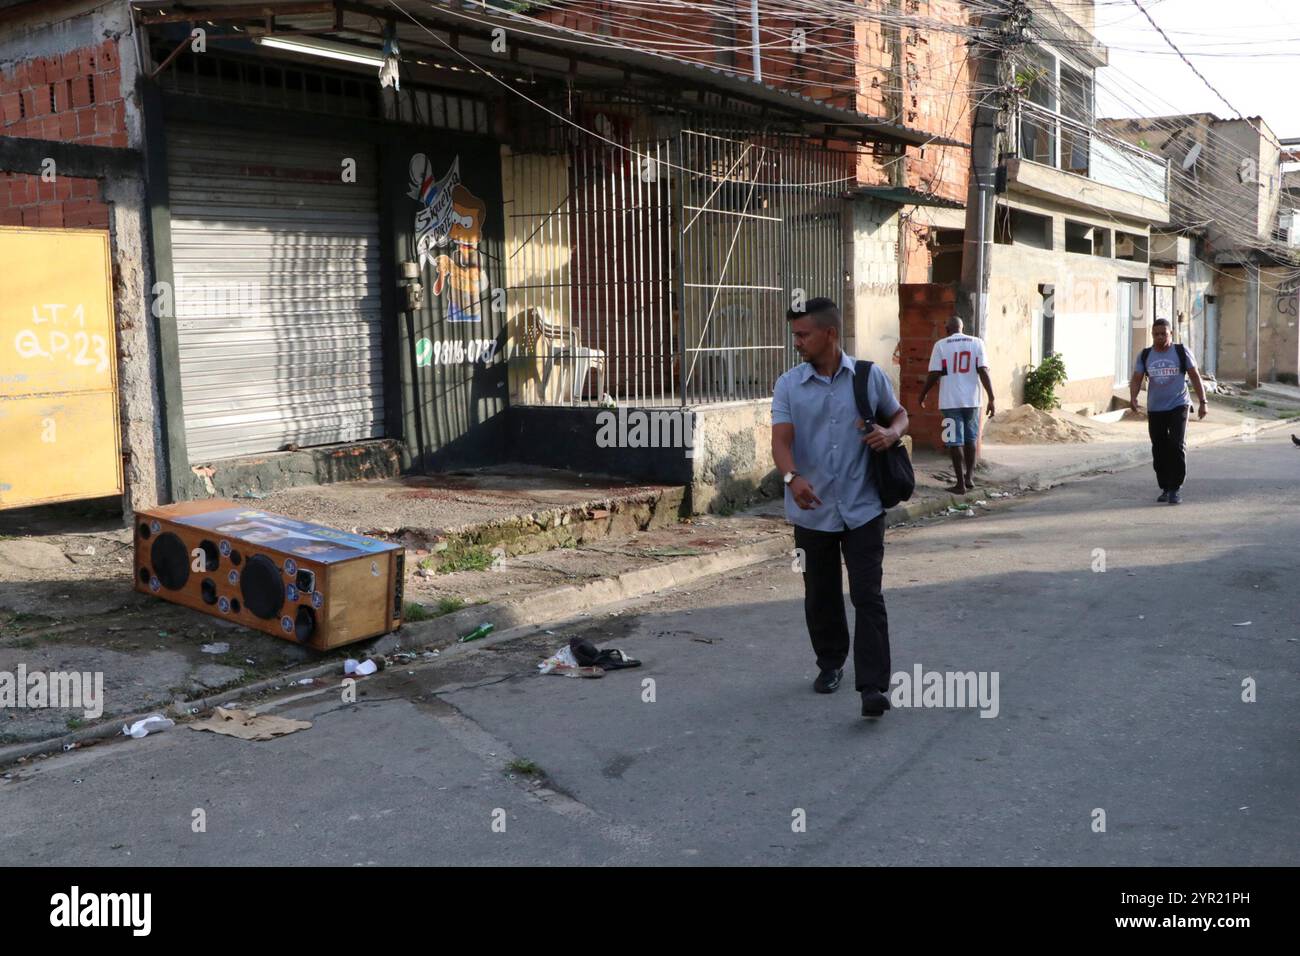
[147,725]
[247,725]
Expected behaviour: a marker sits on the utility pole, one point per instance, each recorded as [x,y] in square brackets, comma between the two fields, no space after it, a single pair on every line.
[758,55]
[988,56]
[1252,322]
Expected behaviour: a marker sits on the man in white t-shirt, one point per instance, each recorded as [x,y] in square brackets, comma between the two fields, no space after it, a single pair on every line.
[957,364]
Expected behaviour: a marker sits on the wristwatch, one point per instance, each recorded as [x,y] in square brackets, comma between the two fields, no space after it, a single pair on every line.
[790,476]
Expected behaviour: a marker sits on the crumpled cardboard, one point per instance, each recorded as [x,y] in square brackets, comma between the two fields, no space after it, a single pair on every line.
[247,725]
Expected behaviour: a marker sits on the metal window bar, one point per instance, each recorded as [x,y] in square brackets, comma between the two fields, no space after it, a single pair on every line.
[660,274]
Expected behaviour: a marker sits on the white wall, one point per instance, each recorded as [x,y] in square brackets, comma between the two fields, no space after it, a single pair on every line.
[1087,341]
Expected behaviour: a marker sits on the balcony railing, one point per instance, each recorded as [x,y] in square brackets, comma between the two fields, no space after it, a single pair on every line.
[1066,144]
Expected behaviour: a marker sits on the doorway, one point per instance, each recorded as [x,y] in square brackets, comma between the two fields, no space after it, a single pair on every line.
[1211,357]
[1129,328]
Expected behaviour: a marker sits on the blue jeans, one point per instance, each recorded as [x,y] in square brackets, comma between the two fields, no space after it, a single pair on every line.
[961,426]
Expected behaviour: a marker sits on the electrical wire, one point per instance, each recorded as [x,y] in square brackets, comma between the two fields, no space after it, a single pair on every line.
[848,179]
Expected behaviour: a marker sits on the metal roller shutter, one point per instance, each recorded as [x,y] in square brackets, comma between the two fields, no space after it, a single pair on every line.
[276,266]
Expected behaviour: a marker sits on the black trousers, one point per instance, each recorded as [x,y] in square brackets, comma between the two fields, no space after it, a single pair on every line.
[1168,431]
[864,553]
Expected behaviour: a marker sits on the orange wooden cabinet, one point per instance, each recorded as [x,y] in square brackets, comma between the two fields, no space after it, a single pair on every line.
[299,581]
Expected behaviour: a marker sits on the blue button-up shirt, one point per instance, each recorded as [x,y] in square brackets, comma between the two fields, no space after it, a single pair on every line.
[828,449]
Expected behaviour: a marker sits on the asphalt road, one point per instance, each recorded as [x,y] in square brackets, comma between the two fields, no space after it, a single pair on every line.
[1118,691]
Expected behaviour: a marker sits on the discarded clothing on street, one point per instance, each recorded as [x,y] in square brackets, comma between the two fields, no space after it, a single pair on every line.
[587,654]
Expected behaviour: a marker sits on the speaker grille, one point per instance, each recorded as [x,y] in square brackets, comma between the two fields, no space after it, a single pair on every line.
[260,585]
[171,562]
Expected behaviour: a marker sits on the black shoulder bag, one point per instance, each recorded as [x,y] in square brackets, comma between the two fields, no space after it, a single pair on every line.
[891,468]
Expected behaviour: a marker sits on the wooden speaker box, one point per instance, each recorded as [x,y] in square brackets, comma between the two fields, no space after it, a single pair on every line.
[303,582]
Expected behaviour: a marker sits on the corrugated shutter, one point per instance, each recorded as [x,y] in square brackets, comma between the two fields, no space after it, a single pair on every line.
[276,266]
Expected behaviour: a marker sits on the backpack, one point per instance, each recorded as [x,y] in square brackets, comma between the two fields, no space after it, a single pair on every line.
[1182,357]
[891,468]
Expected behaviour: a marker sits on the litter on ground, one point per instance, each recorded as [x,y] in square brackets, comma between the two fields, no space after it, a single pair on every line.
[247,725]
[152,724]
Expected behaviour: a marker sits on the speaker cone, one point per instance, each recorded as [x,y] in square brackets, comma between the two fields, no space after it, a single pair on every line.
[260,585]
[171,562]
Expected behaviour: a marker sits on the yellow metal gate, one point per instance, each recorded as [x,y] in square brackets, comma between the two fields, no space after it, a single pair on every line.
[59,434]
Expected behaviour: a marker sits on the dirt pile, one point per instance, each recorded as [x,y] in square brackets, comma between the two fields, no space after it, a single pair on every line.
[1026,425]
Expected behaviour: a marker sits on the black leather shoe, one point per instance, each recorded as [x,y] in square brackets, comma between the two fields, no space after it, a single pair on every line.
[828,680]
[874,703]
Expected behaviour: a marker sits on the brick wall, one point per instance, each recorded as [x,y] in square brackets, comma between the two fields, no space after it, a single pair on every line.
[75,97]
[938,77]
[924,310]
[821,70]
[914,76]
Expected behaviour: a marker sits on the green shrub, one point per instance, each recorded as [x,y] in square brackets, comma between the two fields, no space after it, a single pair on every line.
[1041,382]
[465,559]
[414,612]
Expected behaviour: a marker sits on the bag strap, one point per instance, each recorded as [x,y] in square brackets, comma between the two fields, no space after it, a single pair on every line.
[1178,347]
[861,393]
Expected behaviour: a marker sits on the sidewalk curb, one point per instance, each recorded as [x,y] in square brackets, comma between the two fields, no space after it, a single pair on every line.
[1046,479]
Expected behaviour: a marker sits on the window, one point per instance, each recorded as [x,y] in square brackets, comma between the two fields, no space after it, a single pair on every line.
[1131,247]
[1078,237]
[1017,227]
[1057,111]
[1086,239]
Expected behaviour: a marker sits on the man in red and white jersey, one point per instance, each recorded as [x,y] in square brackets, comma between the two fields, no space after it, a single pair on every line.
[957,364]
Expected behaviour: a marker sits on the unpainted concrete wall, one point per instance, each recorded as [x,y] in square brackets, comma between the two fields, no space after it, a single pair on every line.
[1279,337]
[1086,317]
[1232,323]
[1279,344]
[732,462]
[874,328]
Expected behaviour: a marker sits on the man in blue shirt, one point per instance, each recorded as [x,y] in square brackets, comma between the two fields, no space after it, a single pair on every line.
[1166,367]
[821,446]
